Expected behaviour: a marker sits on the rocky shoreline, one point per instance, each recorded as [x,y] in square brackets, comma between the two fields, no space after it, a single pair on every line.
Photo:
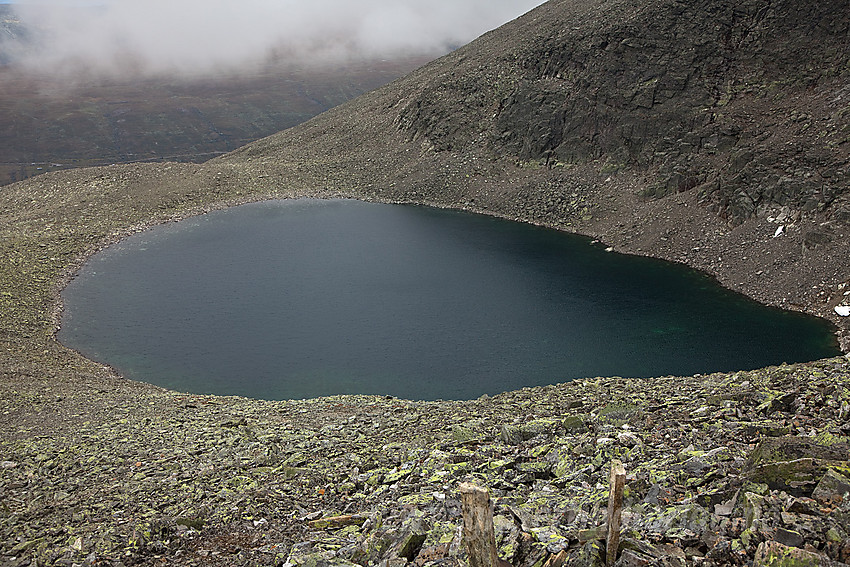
[99,470]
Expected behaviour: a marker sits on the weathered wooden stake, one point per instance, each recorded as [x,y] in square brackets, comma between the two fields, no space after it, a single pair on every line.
[478,526]
[615,508]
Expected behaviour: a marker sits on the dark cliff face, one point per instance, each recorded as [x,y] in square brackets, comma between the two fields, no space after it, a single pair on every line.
[746,102]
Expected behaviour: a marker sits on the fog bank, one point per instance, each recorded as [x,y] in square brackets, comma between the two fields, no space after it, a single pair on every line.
[193,36]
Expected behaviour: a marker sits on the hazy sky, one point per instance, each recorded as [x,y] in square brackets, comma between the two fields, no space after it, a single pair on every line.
[154,36]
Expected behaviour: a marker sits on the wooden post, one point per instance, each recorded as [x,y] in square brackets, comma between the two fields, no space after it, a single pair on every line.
[615,508]
[478,531]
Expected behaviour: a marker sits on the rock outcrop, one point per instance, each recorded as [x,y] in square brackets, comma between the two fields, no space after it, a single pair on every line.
[746,101]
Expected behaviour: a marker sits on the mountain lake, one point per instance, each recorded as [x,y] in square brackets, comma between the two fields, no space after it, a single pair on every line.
[305,298]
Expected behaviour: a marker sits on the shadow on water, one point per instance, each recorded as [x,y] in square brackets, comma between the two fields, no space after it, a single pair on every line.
[295,299]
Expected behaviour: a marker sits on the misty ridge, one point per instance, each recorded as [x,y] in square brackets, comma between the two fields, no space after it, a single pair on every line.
[189,38]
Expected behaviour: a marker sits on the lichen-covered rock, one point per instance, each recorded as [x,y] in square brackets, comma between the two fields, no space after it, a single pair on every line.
[833,488]
[795,464]
[515,434]
[791,448]
[774,554]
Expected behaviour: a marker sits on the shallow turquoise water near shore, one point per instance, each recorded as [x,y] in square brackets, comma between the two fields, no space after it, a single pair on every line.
[304,298]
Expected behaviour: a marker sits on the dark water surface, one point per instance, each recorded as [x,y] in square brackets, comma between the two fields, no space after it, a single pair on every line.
[294,299]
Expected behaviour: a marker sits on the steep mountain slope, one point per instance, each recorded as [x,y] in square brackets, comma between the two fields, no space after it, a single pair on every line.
[698,91]
[747,101]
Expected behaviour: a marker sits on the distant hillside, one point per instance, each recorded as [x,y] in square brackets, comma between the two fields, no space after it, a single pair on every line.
[46,124]
[49,123]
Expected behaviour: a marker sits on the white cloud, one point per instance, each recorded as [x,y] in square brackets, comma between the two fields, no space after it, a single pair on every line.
[159,36]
